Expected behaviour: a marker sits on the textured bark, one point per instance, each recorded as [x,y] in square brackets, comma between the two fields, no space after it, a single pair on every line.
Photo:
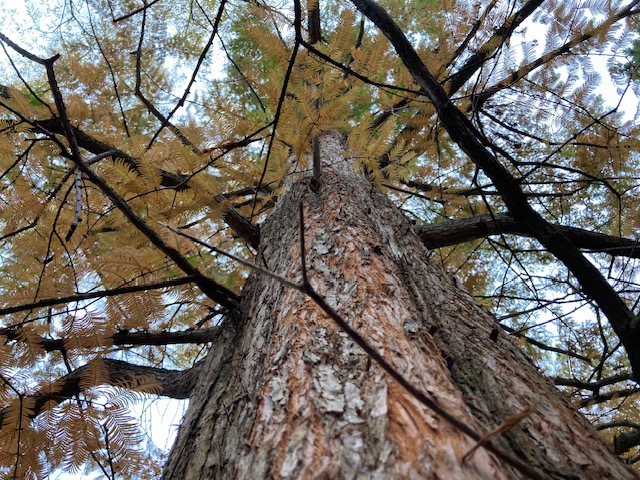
[288,395]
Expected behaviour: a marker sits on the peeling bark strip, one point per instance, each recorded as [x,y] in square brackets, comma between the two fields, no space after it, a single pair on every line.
[288,395]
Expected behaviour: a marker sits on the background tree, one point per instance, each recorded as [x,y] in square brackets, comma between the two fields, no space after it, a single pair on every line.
[484,129]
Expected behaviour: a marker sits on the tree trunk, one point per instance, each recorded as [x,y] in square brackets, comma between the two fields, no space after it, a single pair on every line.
[287,394]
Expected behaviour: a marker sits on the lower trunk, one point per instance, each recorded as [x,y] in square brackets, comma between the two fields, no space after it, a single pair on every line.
[286,394]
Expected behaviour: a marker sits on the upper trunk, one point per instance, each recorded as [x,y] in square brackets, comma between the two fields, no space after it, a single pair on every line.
[289,395]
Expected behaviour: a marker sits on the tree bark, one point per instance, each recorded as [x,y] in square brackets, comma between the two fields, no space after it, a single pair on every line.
[286,394]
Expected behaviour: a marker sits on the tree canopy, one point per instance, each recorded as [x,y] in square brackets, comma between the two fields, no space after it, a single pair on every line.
[128,125]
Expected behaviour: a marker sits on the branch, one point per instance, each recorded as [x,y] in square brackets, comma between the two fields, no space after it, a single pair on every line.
[500,35]
[626,441]
[480,98]
[466,136]
[593,386]
[452,232]
[617,423]
[200,336]
[363,78]
[281,99]
[166,120]
[135,12]
[605,397]
[208,286]
[237,222]
[96,147]
[240,260]
[176,384]
[48,302]
[313,21]
[544,346]
[623,441]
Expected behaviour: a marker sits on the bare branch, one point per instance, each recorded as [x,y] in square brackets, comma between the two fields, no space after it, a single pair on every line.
[626,441]
[481,226]
[135,12]
[165,120]
[501,429]
[606,396]
[543,346]
[241,261]
[593,386]
[122,338]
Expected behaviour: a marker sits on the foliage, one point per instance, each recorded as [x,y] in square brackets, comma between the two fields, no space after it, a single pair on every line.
[191,112]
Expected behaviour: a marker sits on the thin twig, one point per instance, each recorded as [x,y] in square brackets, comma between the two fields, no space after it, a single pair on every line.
[501,429]
[78,207]
[48,302]
[135,12]
[240,260]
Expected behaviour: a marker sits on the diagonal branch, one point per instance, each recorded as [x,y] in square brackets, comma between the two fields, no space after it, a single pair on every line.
[208,286]
[480,98]
[499,37]
[472,65]
[465,135]
[165,120]
[281,99]
[236,221]
[543,346]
